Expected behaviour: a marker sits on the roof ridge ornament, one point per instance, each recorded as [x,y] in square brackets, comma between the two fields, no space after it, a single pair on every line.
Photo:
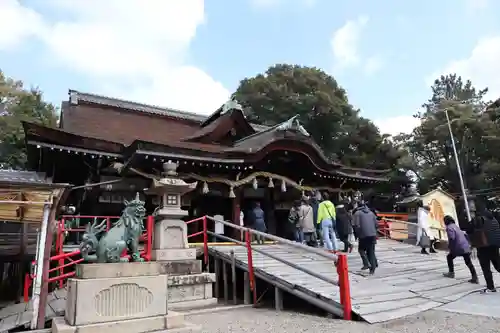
[231,104]
[293,124]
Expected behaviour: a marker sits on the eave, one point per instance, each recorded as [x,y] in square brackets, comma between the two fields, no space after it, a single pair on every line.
[56,139]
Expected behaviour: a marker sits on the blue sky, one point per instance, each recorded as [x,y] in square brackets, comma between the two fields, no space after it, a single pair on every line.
[192,54]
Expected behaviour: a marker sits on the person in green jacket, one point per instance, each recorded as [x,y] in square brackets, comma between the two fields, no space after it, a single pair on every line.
[326,217]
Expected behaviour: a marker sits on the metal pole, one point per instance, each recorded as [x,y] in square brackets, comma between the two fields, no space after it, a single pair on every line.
[459,170]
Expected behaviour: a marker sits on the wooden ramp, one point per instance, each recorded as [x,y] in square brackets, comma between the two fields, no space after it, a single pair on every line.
[405,283]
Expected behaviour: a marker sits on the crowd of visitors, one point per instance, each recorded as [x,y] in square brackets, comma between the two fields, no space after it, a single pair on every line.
[316,221]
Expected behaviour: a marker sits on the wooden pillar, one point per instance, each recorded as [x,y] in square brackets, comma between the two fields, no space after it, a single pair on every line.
[225,281]
[278,299]
[246,288]
[22,248]
[236,209]
[39,298]
[271,216]
[233,277]
[47,230]
[217,263]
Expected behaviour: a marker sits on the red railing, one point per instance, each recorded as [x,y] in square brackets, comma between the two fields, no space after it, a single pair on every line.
[70,256]
[205,236]
[385,223]
[340,259]
[74,258]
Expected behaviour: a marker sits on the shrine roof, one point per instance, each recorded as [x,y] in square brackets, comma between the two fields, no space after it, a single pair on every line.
[27,179]
[493,105]
[77,96]
[108,126]
[21,176]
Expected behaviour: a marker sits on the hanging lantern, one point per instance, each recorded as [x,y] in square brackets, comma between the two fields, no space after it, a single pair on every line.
[271,183]
[231,192]
[255,184]
[283,185]
[205,188]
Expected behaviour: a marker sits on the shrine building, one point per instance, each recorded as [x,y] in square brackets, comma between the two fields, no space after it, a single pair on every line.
[234,162]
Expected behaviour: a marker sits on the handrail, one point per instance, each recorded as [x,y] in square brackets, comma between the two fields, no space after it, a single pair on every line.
[301,246]
[340,260]
[272,256]
[410,223]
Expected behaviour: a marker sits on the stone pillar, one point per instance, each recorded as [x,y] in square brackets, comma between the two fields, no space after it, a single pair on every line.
[188,287]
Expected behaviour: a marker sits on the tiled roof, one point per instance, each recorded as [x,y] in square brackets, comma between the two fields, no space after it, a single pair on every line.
[140,107]
[28,177]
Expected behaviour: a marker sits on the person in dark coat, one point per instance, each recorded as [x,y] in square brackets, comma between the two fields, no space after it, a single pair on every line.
[257,221]
[365,223]
[484,233]
[344,227]
[458,246]
[314,203]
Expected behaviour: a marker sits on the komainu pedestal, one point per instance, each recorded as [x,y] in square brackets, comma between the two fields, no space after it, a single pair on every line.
[120,298]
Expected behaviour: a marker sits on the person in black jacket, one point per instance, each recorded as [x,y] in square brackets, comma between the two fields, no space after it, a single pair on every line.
[344,227]
[484,234]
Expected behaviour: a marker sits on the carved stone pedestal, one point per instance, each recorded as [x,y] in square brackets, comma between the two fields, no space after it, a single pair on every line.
[121,298]
[188,287]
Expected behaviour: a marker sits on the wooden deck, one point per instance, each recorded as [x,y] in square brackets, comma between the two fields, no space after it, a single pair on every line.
[405,283]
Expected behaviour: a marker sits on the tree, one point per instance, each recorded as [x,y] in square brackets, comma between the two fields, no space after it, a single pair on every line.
[284,91]
[430,145]
[18,104]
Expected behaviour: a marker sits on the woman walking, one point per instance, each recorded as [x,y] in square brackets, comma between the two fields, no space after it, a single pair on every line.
[306,221]
[425,235]
[459,247]
[344,227]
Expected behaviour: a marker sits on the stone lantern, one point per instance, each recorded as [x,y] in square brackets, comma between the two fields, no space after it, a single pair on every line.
[170,234]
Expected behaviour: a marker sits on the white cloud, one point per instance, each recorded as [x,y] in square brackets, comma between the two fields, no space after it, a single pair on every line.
[345,42]
[397,125]
[17,24]
[481,66]
[345,47]
[264,4]
[132,48]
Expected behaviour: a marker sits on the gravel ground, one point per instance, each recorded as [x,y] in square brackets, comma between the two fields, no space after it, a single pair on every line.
[266,320]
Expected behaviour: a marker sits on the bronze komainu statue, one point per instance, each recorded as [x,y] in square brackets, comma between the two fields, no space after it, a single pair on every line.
[106,247]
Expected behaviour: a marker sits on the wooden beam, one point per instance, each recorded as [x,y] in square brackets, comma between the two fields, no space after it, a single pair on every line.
[46,245]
